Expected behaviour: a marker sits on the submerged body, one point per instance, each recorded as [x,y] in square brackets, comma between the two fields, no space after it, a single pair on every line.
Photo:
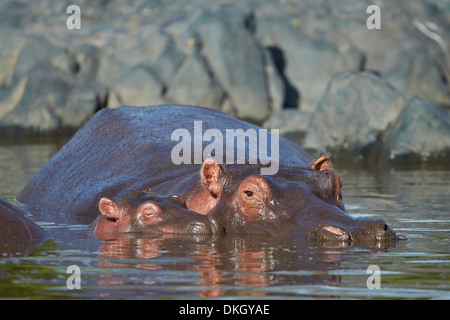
[128,149]
[18,235]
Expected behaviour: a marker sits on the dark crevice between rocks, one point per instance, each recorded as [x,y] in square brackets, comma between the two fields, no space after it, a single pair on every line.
[101,101]
[291,95]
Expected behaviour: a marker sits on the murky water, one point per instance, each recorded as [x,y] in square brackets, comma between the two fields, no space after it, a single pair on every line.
[416,201]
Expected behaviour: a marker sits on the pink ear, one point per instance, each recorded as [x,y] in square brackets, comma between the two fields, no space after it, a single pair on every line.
[321,163]
[210,174]
[150,213]
[108,208]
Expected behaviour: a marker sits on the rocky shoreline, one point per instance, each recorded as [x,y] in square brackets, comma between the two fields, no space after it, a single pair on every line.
[314,71]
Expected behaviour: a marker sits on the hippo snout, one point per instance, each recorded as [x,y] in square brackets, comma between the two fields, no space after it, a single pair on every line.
[198,228]
[369,230]
[207,226]
[332,233]
[384,232]
[374,230]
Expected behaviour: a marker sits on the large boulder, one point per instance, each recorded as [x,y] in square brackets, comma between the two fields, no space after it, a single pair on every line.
[310,61]
[363,116]
[44,88]
[411,50]
[138,86]
[236,59]
[194,84]
[422,132]
[291,122]
[353,114]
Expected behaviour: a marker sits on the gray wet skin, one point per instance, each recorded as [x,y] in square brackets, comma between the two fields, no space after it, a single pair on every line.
[129,148]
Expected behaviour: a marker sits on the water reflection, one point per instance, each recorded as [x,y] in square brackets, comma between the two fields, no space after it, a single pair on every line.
[18,163]
[16,249]
[224,265]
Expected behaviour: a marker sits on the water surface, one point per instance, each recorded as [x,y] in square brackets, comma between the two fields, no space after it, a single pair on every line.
[415,201]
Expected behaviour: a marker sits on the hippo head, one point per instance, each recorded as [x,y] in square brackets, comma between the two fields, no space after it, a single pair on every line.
[142,212]
[302,202]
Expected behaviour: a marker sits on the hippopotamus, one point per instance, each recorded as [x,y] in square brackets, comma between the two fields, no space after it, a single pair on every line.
[18,234]
[142,212]
[174,149]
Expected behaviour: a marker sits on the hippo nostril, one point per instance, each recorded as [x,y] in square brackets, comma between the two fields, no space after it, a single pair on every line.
[389,233]
[382,231]
[380,226]
[329,232]
[198,228]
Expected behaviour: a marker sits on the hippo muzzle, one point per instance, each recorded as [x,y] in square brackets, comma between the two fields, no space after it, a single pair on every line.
[205,227]
[198,228]
[364,231]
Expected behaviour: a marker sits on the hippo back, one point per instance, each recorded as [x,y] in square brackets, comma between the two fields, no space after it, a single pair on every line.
[17,234]
[129,148]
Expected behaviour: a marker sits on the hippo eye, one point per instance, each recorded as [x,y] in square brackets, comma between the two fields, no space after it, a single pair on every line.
[248,193]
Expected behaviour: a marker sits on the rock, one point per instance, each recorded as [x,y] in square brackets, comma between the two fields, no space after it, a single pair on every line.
[236,58]
[138,87]
[422,131]
[33,106]
[48,104]
[142,46]
[123,52]
[194,84]
[310,62]
[353,114]
[77,64]
[81,105]
[289,122]
[249,59]
[11,44]
[39,52]
[45,90]
[275,84]
[410,51]
[167,63]
[86,62]
[361,115]
[419,74]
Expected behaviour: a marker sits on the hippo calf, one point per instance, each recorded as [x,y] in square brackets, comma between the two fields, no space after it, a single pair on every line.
[18,235]
[142,212]
[132,148]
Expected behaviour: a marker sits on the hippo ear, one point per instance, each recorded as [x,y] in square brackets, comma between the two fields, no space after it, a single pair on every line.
[150,213]
[109,208]
[321,163]
[210,173]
